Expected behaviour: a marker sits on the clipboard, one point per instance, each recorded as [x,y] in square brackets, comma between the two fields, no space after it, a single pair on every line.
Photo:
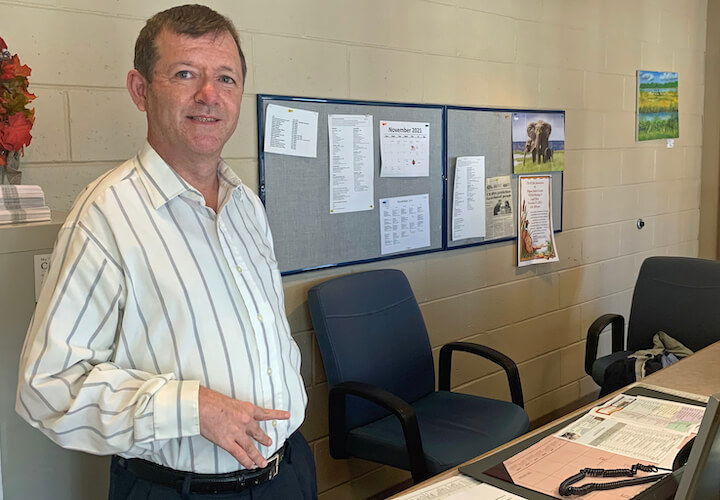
[501,478]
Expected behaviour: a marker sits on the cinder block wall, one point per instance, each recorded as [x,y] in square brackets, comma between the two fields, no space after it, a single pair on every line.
[577,55]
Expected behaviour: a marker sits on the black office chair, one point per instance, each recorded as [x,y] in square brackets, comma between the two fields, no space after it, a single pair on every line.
[383,403]
[677,295]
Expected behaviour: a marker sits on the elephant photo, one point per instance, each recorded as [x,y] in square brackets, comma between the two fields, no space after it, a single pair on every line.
[538,144]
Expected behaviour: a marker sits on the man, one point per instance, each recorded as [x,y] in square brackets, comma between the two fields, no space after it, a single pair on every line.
[160,334]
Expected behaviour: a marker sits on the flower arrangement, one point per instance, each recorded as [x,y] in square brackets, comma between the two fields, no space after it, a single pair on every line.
[16,119]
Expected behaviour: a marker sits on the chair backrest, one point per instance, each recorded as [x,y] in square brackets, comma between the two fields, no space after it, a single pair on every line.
[370,329]
[679,296]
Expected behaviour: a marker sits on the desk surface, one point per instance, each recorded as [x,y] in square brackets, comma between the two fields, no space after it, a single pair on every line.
[696,375]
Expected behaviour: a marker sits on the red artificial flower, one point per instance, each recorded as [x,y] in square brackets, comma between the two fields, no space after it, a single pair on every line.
[3,45]
[15,133]
[12,68]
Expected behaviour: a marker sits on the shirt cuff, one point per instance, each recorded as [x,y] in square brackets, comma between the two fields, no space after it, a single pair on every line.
[175,410]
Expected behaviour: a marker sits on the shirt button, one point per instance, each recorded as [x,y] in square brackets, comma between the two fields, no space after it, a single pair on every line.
[269,371]
[239,269]
[274,422]
[259,317]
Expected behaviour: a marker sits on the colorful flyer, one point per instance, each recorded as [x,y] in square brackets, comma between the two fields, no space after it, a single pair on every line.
[536,240]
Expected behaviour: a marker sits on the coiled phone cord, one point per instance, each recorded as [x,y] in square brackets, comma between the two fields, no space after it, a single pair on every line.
[566,489]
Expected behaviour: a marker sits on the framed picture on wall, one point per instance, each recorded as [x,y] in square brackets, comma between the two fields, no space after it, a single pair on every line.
[657,105]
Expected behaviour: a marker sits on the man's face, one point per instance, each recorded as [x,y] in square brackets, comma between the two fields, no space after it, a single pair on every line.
[193,100]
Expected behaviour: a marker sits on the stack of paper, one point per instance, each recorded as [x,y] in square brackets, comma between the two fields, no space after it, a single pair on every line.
[21,203]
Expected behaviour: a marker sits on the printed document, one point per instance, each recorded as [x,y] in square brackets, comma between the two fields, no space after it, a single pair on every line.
[460,488]
[468,218]
[404,223]
[352,167]
[404,149]
[291,131]
[535,238]
[498,207]
[649,429]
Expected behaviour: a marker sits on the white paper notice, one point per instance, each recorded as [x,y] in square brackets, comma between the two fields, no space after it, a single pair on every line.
[404,223]
[404,149]
[459,488]
[468,220]
[290,131]
[352,168]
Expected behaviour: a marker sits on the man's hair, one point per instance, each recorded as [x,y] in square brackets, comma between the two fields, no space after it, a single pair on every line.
[191,20]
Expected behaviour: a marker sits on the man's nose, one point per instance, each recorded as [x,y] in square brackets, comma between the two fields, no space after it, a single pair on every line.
[207,93]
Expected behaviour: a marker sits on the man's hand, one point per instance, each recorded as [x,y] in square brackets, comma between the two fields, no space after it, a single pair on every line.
[233,425]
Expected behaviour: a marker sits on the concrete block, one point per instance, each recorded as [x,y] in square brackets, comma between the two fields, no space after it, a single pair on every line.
[331,472]
[674,29]
[653,198]
[105,140]
[602,168]
[455,272]
[512,85]
[618,129]
[244,141]
[304,343]
[530,10]
[693,163]
[600,242]
[603,91]
[583,207]
[561,89]
[572,363]
[655,57]
[573,174]
[584,129]
[247,170]
[496,32]
[540,375]
[689,225]
[668,164]
[552,400]
[62,182]
[65,56]
[377,74]
[292,66]
[452,80]
[315,425]
[49,132]
[623,55]
[634,240]
[638,165]
[615,303]
[596,280]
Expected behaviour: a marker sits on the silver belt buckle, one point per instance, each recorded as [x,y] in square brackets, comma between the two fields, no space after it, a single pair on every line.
[276,466]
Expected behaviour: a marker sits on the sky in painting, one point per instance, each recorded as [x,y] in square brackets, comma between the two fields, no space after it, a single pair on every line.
[657,77]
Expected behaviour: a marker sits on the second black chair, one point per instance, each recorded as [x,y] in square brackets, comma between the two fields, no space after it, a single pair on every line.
[383,403]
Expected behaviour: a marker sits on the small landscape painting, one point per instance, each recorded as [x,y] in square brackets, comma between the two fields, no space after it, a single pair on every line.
[657,105]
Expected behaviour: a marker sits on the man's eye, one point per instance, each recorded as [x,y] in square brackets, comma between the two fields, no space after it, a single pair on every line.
[183,74]
[227,79]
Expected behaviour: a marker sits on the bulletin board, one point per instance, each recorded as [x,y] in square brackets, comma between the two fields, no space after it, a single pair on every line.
[487,132]
[295,190]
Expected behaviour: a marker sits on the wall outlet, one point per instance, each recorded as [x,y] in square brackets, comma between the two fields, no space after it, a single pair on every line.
[42,265]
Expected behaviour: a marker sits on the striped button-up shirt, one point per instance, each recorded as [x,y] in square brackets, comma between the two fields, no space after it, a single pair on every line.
[150,294]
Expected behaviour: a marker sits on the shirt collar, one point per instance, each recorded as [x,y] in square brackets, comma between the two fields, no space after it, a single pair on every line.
[163,183]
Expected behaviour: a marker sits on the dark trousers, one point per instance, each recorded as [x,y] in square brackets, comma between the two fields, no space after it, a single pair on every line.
[295,480]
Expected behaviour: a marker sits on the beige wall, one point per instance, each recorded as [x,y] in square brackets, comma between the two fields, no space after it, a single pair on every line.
[578,55]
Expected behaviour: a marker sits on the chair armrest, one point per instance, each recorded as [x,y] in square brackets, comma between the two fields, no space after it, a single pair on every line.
[497,357]
[389,401]
[593,337]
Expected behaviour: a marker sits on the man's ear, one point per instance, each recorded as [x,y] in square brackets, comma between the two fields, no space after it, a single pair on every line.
[137,85]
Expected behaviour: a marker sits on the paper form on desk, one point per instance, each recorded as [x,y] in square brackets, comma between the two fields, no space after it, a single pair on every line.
[614,435]
[460,488]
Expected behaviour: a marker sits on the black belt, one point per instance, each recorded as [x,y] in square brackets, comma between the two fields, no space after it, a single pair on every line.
[203,483]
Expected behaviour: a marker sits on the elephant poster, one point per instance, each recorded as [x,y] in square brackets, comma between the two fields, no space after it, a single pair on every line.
[538,142]
[657,106]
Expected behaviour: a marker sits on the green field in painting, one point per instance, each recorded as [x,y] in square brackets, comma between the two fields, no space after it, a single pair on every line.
[657,128]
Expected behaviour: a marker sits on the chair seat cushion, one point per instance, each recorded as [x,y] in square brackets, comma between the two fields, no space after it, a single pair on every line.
[454,428]
[600,365]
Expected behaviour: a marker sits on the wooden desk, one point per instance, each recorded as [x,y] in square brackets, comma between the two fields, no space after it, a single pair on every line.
[695,377]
